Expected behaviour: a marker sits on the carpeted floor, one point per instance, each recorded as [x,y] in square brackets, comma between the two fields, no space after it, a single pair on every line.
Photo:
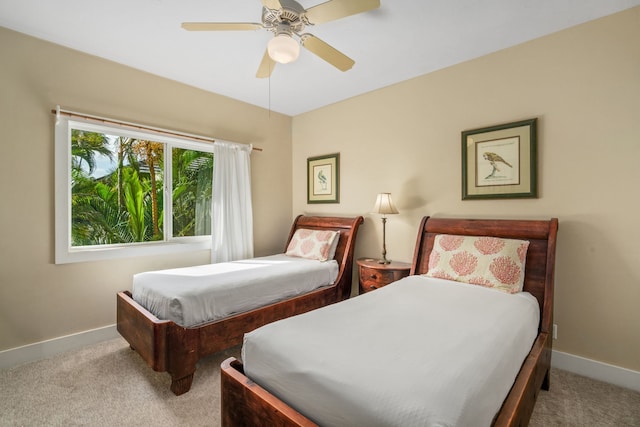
[577,401]
[107,384]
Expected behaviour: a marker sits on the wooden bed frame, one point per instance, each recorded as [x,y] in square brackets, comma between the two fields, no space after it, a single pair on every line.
[167,346]
[248,404]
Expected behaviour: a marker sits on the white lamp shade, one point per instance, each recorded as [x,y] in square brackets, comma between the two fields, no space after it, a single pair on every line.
[283,49]
[384,205]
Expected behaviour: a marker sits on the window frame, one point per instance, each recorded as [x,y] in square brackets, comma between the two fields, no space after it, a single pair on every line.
[64,252]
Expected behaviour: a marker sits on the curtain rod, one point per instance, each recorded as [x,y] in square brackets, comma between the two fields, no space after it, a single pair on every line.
[57,111]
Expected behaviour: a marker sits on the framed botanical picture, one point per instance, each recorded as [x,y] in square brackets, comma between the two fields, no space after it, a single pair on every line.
[500,162]
[323,179]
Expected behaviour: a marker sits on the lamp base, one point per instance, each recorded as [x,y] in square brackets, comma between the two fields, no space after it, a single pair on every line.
[384,259]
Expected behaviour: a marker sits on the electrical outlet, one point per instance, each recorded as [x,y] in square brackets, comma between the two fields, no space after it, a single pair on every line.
[555,331]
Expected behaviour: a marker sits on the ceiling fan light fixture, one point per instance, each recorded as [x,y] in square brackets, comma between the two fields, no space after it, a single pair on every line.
[283,49]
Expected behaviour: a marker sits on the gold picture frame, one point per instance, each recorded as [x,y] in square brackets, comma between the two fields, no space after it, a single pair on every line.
[500,162]
[323,179]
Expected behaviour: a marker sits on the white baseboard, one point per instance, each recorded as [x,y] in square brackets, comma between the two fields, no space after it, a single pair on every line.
[597,370]
[44,349]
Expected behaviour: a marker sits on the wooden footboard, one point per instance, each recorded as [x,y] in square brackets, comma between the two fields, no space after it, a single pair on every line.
[162,344]
[144,332]
[245,403]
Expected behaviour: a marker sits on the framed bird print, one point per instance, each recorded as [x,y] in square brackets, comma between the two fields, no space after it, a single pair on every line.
[500,162]
[323,179]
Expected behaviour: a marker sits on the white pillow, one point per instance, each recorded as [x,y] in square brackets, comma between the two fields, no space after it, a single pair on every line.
[486,261]
[313,244]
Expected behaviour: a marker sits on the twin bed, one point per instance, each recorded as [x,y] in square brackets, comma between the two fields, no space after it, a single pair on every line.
[425,350]
[171,324]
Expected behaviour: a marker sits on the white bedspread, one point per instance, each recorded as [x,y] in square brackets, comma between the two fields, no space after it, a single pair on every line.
[194,295]
[418,352]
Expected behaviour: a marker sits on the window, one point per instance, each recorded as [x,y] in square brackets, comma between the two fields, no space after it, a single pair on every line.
[123,192]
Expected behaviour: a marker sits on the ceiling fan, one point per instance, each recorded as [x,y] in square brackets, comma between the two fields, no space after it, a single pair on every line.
[286,18]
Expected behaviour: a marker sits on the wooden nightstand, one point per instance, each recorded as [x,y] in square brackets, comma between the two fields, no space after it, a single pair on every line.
[374,275]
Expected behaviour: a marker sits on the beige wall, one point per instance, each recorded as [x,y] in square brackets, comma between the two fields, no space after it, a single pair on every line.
[583,85]
[40,300]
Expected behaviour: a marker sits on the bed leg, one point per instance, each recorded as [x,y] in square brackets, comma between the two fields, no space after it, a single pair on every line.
[181,385]
[182,357]
[546,382]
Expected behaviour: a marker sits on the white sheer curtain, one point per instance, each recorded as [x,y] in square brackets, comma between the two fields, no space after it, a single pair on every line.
[231,210]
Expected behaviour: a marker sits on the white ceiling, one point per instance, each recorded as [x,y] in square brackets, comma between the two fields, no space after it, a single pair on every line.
[400,40]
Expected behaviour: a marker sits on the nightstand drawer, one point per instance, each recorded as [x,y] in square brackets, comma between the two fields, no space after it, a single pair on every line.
[373,275]
[372,279]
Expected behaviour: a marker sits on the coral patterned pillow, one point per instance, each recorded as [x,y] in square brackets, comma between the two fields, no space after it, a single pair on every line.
[313,244]
[485,261]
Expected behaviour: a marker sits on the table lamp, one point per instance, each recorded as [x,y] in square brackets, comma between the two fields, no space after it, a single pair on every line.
[384,206]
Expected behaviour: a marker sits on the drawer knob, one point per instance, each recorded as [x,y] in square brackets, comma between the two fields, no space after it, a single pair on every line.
[373,287]
[373,276]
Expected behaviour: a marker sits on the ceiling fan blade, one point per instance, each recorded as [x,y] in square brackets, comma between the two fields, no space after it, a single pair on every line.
[271,4]
[220,26]
[327,52]
[336,9]
[266,66]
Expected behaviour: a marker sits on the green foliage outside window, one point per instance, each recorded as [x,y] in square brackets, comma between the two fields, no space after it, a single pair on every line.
[117,188]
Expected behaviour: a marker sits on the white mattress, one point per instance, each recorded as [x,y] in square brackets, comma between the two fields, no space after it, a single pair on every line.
[194,295]
[418,352]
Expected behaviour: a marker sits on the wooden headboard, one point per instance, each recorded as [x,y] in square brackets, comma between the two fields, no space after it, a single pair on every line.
[348,228]
[541,255]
